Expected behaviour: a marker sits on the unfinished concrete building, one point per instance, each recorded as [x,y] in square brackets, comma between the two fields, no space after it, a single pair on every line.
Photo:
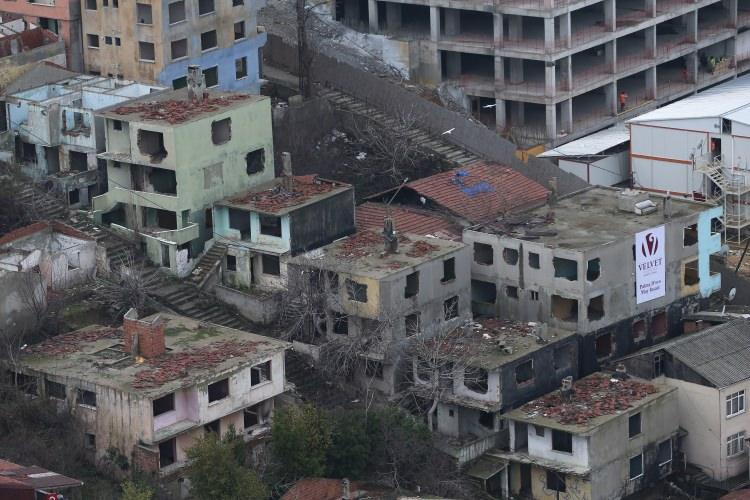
[546,71]
[619,267]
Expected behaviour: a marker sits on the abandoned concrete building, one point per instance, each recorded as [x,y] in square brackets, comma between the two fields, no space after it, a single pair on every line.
[32,483]
[22,43]
[376,297]
[619,267]
[261,229]
[37,258]
[564,447]
[55,137]
[500,364]
[170,157]
[548,72]
[176,378]
[710,370]
[470,194]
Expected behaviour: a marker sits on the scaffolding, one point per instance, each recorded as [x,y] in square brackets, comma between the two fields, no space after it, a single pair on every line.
[728,187]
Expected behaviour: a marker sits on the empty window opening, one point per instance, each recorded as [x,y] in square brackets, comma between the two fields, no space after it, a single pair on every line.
[179,49]
[412,285]
[231,263]
[450,308]
[86,398]
[166,219]
[146,51]
[411,324]
[270,225]
[423,370]
[177,12]
[221,131]
[510,256]
[214,426]
[659,324]
[93,41]
[476,379]
[252,416]
[163,405]
[255,161]
[449,270]
[91,4]
[239,30]
[151,144]
[240,68]
[565,268]
[487,420]
[593,270]
[211,76]
[55,389]
[163,181]
[562,441]
[116,125]
[564,309]
[534,260]
[167,453]
[374,369]
[205,7]
[595,309]
[340,324]
[511,292]
[483,292]
[525,371]
[556,481]
[603,345]
[208,40]
[179,83]
[690,235]
[658,363]
[636,466]
[25,382]
[240,221]
[639,330]
[634,425]
[27,152]
[690,274]
[74,197]
[664,454]
[78,161]
[89,441]
[533,295]
[143,11]
[562,358]
[108,40]
[260,373]
[271,265]
[218,390]
[356,291]
[539,430]
[483,254]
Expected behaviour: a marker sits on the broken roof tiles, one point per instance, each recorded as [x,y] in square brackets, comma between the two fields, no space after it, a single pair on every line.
[72,342]
[370,216]
[58,227]
[273,197]
[174,111]
[481,192]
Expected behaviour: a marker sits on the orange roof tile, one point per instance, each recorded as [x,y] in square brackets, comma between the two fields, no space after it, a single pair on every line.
[316,488]
[481,192]
[370,215]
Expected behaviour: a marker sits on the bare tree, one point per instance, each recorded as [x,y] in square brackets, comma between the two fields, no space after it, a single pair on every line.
[128,287]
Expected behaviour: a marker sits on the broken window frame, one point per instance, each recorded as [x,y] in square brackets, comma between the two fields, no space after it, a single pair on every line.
[524,372]
[450,308]
[260,374]
[217,391]
[255,161]
[412,324]
[221,131]
[256,412]
[476,379]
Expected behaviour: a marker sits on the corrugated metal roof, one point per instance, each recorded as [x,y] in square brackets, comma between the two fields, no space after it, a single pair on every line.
[480,192]
[714,102]
[591,144]
[720,354]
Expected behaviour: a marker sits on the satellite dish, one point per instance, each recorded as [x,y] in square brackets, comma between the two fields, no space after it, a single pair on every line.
[732,294]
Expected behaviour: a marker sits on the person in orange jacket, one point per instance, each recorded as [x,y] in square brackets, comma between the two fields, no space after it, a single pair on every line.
[623,100]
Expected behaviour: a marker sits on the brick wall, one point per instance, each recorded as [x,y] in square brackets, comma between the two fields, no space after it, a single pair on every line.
[145,460]
[150,336]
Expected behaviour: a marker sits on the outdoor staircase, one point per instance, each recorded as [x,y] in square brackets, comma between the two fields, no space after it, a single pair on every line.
[40,204]
[425,140]
[713,171]
[207,264]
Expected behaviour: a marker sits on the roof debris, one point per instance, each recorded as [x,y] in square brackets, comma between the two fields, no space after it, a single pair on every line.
[278,197]
[71,342]
[178,110]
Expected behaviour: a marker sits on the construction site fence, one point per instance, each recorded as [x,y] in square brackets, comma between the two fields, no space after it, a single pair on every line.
[392,97]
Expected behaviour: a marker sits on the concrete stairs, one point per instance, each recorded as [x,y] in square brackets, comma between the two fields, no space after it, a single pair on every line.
[207,264]
[41,205]
[436,144]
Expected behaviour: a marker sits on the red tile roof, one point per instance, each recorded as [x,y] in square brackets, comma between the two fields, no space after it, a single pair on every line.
[37,227]
[481,192]
[328,489]
[370,215]
[737,495]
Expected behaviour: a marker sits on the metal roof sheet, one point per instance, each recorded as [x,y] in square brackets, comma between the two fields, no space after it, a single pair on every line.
[714,102]
[720,354]
[591,144]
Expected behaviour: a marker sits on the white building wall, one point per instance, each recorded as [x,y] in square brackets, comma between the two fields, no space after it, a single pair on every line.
[541,446]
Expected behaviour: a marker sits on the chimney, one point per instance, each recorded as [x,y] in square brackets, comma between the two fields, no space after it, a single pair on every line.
[668,206]
[621,373]
[143,338]
[552,196]
[286,171]
[196,83]
[389,236]
[346,490]
[567,387]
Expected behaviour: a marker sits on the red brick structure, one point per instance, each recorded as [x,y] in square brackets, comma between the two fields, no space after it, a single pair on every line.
[145,459]
[149,334]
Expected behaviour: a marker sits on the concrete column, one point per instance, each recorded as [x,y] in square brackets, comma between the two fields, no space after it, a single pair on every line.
[453,65]
[551,120]
[500,123]
[351,11]
[732,6]
[434,23]
[692,66]
[610,92]
[517,114]
[393,15]
[610,14]
[566,116]
[610,56]
[650,41]
[651,8]
[549,34]
[499,73]
[516,71]
[515,28]
[691,25]
[452,22]
[565,30]
[550,82]
[372,15]
[498,29]
[651,83]
[566,73]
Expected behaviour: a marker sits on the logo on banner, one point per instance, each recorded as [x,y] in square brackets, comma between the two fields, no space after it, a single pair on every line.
[650,265]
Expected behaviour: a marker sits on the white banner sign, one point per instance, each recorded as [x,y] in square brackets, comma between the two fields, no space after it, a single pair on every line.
[650,265]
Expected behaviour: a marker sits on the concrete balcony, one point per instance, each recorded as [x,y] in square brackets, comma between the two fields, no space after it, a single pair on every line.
[111,198]
[465,449]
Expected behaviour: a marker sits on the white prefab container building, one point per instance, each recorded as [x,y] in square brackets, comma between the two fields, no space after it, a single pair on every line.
[699,148]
